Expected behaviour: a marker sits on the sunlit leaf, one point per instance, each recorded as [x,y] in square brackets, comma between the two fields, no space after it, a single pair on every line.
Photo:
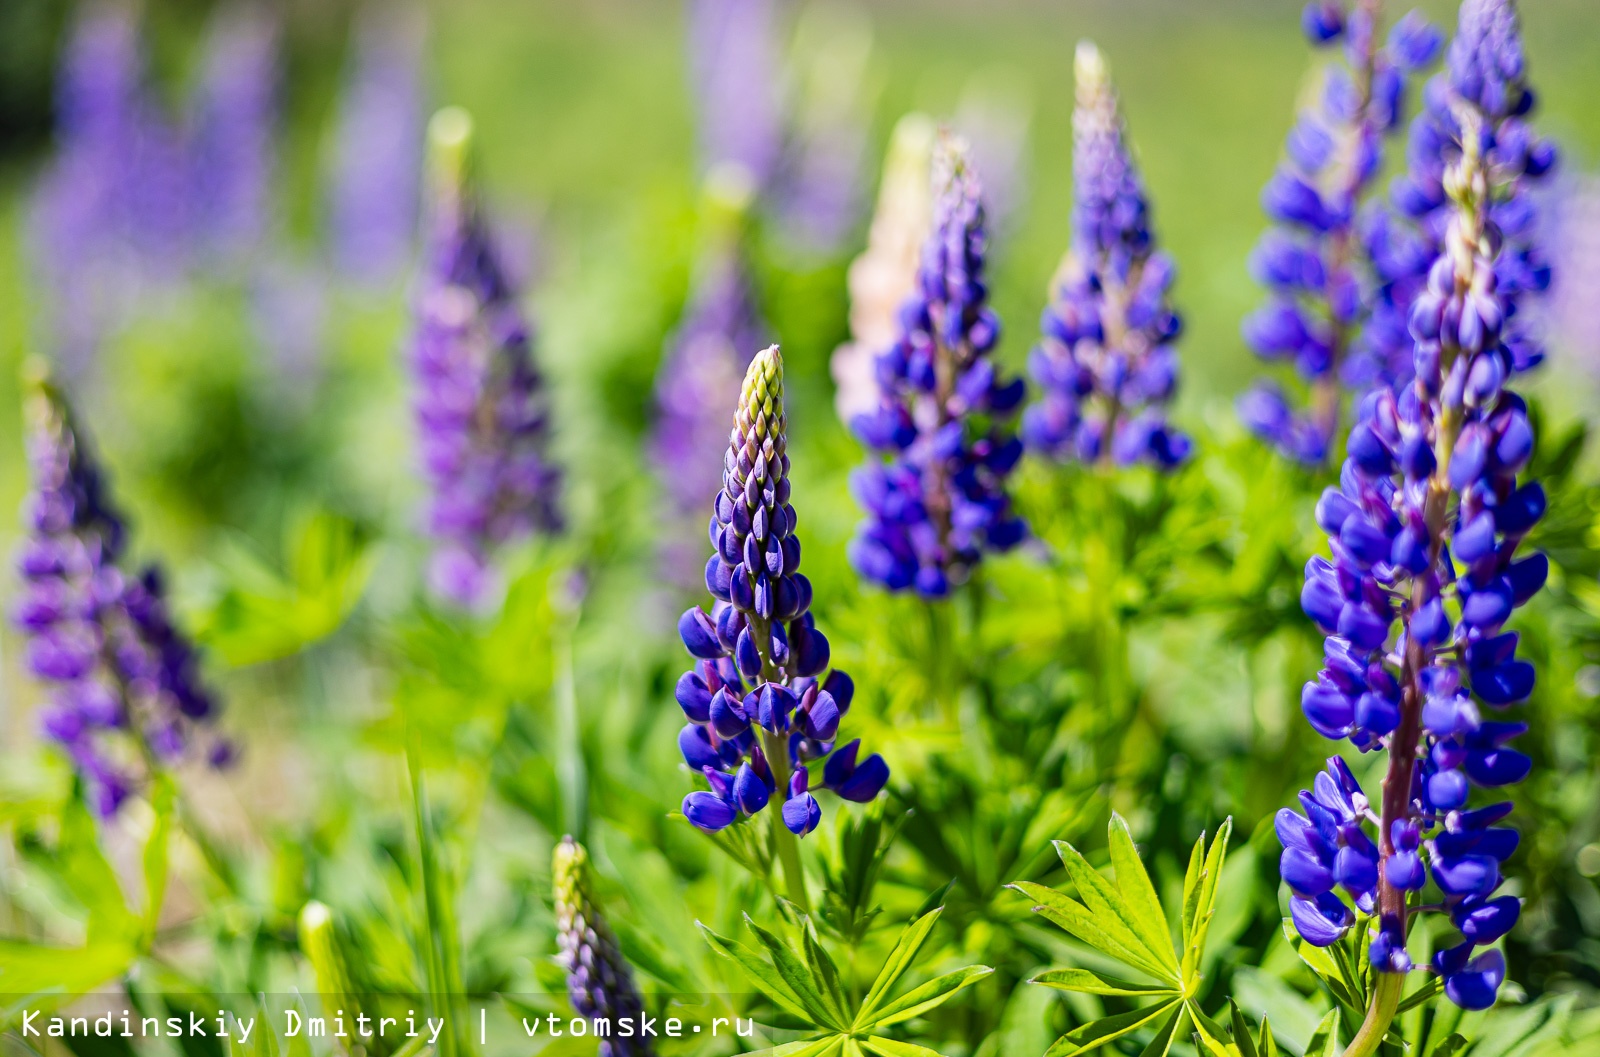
[930,995]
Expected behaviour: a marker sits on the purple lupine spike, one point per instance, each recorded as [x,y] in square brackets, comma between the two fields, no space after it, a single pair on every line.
[125,687]
[1425,528]
[481,409]
[1485,82]
[758,704]
[698,385]
[1313,260]
[937,501]
[732,55]
[599,980]
[1106,365]
[376,192]
[233,127]
[83,217]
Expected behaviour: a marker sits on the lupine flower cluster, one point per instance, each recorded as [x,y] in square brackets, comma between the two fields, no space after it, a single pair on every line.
[480,404]
[1106,366]
[1485,83]
[231,140]
[885,273]
[938,500]
[698,383]
[760,707]
[1314,260]
[375,195]
[126,693]
[599,981]
[1424,529]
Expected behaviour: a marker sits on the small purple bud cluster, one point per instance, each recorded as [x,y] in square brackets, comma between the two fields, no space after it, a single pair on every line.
[599,980]
[1484,85]
[480,404]
[1106,364]
[1312,260]
[944,420]
[101,639]
[758,703]
[1424,530]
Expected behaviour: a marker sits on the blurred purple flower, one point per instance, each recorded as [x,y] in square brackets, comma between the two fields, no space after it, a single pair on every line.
[375,199]
[480,404]
[733,56]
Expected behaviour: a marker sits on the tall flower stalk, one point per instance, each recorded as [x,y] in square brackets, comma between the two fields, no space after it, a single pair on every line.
[126,693]
[937,499]
[480,403]
[759,705]
[599,980]
[1314,260]
[1106,367]
[1425,529]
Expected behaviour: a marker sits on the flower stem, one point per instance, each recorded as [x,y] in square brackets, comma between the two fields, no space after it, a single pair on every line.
[787,845]
[1385,1000]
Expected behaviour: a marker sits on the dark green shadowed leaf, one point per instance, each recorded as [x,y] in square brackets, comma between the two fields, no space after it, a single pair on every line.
[1168,1033]
[1241,1031]
[823,971]
[1325,1040]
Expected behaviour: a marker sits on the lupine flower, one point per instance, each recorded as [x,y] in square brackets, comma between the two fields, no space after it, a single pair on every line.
[125,686]
[732,55]
[698,384]
[234,124]
[1574,321]
[599,981]
[1484,82]
[760,700]
[1107,366]
[85,231]
[1313,259]
[885,274]
[1424,529]
[376,191]
[481,409]
[938,500]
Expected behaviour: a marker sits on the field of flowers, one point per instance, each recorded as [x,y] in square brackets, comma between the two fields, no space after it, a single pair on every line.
[415,413]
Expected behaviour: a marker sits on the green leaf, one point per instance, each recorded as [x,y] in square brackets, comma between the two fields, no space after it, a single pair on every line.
[1166,1034]
[90,878]
[1267,1042]
[1087,982]
[1241,1031]
[1319,961]
[899,960]
[1097,930]
[762,974]
[920,999]
[1210,881]
[1432,986]
[1148,920]
[1451,1046]
[1191,891]
[38,977]
[890,1048]
[935,900]
[1115,918]
[823,971]
[1211,1035]
[1325,1040]
[1090,1036]
[799,979]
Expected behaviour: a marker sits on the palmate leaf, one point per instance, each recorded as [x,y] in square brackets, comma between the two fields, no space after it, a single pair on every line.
[766,978]
[882,1047]
[1127,922]
[920,999]
[799,978]
[899,960]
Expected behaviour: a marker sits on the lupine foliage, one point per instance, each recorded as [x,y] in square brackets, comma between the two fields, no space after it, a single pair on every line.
[1080,595]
